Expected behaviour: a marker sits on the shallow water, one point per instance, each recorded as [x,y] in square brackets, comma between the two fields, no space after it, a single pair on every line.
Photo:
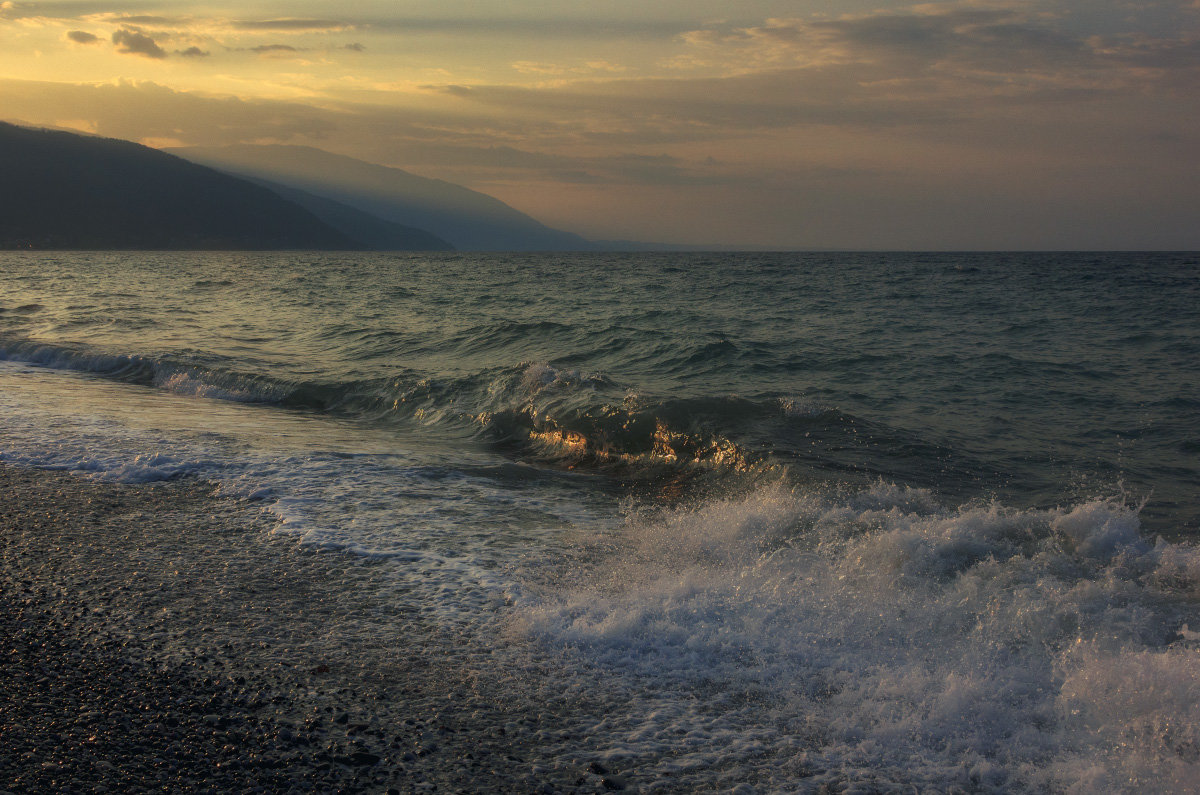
[779,519]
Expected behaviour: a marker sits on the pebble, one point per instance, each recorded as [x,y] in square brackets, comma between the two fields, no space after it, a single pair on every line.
[141,628]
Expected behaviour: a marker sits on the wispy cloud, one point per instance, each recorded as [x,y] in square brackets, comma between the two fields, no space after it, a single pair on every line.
[532,26]
[146,20]
[267,48]
[292,25]
[944,37]
[135,110]
[66,10]
[930,67]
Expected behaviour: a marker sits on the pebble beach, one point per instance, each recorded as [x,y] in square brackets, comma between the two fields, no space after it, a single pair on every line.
[143,650]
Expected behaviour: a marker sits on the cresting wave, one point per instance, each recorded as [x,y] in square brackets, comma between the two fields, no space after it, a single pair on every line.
[450,520]
[163,373]
[879,639]
[1024,376]
[558,416]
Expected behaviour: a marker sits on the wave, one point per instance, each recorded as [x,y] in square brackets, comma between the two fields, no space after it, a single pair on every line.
[574,419]
[165,373]
[23,309]
[558,416]
[890,639]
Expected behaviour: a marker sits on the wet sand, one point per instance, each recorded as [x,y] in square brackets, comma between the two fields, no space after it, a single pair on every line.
[159,638]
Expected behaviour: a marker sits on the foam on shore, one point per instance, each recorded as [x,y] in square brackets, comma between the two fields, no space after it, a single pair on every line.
[157,637]
[798,638]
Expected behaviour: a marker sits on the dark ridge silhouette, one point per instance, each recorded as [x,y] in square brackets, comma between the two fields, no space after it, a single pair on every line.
[60,190]
[467,219]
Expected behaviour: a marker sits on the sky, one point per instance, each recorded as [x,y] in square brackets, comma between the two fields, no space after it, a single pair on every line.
[862,124]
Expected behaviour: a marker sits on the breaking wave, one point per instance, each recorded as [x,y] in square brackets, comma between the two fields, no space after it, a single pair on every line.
[559,416]
[894,643]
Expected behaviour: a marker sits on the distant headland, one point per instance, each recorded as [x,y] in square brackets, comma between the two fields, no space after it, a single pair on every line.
[63,190]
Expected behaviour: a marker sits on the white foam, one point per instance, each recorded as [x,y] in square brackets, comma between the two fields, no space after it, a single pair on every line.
[187,382]
[787,638]
[800,407]
[451,526]
[538,377]
[882,638]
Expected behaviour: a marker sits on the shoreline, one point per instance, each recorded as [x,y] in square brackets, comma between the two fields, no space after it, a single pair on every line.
[158,637]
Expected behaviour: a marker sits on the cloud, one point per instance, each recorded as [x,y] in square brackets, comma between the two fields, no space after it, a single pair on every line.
[150,21]
[292,25]
[193,52]
[137,110]
[987,38]
[563,70]
[357,47]
[961,73]
[659,169]
[958,38]
[541,26]
[925,34]
[82,37]
[265,48]
[76,11]
[11,10]
[452,89]
[133,42]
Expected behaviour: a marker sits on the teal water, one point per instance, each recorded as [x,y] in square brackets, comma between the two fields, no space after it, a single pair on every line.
[895,491]
[1036,378]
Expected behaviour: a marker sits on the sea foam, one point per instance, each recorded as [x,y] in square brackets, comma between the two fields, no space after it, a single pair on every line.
[882,639]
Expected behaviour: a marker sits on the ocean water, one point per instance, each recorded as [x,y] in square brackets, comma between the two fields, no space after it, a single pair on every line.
[885,521]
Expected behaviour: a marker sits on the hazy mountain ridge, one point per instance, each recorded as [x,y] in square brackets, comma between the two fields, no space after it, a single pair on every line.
[60,190]
[65,190]
[367,229]
[467,219]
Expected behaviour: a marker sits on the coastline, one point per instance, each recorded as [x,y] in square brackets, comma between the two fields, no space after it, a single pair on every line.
[158,637]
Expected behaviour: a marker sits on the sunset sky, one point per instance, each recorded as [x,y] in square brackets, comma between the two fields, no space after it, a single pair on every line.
[765,123]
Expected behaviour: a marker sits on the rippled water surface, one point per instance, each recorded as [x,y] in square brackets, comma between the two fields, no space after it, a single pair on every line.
[806,518]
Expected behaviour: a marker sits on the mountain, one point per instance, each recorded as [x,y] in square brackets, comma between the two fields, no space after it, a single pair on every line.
[368,230]
[467,219]
[59,190]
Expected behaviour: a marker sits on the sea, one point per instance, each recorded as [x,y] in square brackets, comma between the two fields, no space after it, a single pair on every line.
[885,522]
